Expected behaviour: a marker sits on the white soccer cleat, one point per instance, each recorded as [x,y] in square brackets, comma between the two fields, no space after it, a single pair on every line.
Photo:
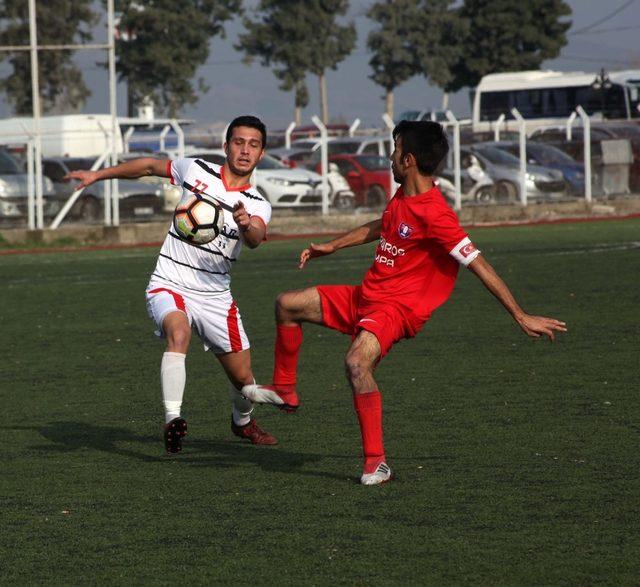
[382,474]
[261,394]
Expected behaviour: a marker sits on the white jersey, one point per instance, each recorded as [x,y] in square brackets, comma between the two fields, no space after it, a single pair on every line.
[206,268]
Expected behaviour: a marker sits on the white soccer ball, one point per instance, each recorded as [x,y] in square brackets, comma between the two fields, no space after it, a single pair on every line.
[198,219]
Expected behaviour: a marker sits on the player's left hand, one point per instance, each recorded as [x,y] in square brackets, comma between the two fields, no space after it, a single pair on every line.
[536,326]
[241,216]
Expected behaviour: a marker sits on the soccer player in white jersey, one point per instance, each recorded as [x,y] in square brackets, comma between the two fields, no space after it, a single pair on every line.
[189,287]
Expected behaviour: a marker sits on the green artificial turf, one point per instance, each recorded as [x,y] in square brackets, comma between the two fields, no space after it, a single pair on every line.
[517,461]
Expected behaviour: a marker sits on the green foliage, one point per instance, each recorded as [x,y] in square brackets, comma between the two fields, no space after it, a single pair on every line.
[59,22]
[168,42]
[394,57]
[296,37]
[508,35]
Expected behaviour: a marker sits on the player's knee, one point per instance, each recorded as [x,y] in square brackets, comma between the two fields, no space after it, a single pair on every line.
[178,339]
[285,305]
[356,366]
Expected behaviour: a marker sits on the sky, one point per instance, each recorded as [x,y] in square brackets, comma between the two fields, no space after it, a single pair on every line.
[237,88]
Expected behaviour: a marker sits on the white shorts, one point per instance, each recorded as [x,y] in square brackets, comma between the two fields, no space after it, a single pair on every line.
[215,318]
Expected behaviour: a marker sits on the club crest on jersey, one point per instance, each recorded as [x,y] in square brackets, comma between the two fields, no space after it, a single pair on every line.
[404,230]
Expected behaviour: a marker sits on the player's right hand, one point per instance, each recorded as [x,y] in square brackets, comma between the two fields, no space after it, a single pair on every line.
[85,177]
[315,251]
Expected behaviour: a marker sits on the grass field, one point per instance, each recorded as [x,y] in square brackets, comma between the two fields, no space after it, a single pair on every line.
[517,461]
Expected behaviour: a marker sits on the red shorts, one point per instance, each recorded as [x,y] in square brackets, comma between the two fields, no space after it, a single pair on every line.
[341,311]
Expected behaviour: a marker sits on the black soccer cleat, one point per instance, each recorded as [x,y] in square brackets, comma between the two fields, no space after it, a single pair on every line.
[174,432]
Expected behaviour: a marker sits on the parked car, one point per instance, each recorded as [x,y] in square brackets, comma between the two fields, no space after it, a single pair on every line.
[340,194]
[437,115]
[280,185]
[552,158]
[137,199]
[574,147]
[542,183]
[368,176]
[14,190]
[171,194]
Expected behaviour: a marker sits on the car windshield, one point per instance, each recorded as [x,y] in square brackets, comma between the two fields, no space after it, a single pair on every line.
[341,147]
[8,165]
[374,162]
[77,163]
[549,155]
[268,162]
[498,156]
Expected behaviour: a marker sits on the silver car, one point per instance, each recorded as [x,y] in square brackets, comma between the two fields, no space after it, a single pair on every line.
[137,199]
[14,189]
[542,183]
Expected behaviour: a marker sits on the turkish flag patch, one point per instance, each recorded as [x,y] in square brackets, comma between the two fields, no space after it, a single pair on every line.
[467,250]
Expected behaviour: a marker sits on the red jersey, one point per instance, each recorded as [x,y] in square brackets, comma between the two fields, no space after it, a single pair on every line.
[413,266]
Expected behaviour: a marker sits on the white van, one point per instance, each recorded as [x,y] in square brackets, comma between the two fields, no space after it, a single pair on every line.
[73,135]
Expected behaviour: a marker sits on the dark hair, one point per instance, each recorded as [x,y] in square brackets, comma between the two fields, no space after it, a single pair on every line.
[251,122]
[425,140]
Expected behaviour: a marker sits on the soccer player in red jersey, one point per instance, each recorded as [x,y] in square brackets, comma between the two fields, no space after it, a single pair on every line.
[421,245]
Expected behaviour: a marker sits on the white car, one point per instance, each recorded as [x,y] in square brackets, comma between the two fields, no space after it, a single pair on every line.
[279,184]
[341,195]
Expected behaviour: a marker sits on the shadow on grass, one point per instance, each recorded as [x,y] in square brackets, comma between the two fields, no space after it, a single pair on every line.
[76,436]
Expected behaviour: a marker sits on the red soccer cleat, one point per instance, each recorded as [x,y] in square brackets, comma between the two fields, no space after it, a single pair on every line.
[283,397]
[253,433]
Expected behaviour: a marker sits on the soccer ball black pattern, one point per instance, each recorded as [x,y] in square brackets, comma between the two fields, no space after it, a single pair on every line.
[198,219]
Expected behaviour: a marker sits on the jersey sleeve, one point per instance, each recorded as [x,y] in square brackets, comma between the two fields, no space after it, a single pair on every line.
[444,227]
[261,209]
[177,170]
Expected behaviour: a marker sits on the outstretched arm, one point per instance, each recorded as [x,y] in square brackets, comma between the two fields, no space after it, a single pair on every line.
[130,170]
[534,326]
[358,236]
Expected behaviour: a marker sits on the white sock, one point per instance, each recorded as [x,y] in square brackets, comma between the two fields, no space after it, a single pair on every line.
[173,374]
[241,407]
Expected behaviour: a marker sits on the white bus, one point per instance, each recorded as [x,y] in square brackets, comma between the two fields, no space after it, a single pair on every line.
[545,97]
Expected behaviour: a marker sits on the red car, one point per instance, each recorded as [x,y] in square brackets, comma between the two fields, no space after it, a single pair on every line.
[369,177]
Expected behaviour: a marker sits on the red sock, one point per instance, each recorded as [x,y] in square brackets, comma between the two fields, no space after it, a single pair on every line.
[288,343]
[369,409]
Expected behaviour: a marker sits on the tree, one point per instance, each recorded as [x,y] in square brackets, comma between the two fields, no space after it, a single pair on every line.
[508,35]
[59,22]
[290,60]
[394,58]
[297,37]
[330,42]
[165,44]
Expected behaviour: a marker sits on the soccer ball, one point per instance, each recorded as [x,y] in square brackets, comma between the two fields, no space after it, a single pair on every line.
[198,219]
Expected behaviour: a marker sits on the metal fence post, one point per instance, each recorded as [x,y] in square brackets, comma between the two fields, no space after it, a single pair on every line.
[522,130]
[393,186]
[570,120]
[586,125]
[324,162]
[287,135]
[496,130]
[354,125]
[456,158]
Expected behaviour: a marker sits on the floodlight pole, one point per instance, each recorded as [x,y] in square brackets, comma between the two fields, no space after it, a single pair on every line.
[287,135]
[324,162]
[522,129]
[586,137]
[113,109]
[388,121]
[35,98]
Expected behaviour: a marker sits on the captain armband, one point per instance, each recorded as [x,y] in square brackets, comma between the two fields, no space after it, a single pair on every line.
[464,252]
